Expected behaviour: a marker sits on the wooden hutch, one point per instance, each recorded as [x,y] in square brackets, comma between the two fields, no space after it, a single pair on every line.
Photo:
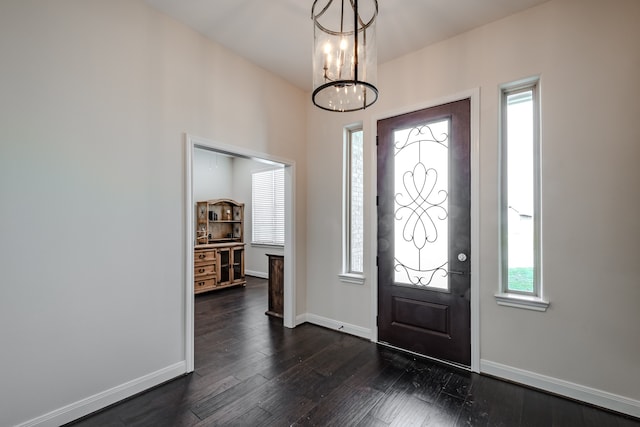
[218,256]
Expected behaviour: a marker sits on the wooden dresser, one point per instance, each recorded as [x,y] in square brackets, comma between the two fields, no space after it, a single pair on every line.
[217,266]
[218,254]
[205,269]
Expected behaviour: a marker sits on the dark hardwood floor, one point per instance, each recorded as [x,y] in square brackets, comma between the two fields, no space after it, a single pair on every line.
[250,371]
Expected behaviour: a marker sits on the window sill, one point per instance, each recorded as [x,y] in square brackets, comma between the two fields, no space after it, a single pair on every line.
[522,301]
[266,245]
[357,279]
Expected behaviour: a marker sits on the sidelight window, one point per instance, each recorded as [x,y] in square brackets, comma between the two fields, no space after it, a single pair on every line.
[521,283]
[353,206]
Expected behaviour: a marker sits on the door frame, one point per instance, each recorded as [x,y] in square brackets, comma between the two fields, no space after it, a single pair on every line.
[474,96]
[191,142]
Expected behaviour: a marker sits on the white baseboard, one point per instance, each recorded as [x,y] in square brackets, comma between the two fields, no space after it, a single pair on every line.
[335,325]
[301,318]
[103,399]
[259,274]
[593,396]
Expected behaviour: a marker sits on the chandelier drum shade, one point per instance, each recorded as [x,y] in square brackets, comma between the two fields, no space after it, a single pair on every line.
[344,54]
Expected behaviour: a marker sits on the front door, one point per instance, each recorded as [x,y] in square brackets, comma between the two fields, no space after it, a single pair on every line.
[424,232]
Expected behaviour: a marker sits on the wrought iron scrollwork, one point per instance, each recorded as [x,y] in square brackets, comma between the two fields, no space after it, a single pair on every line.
[420,204]
[421,277]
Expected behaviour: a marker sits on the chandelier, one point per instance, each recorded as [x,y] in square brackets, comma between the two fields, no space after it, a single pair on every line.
[344,54]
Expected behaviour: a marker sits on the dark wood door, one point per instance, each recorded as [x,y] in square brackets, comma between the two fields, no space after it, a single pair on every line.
[424,232]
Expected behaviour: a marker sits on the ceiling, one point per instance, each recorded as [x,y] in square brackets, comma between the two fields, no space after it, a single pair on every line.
[277,34]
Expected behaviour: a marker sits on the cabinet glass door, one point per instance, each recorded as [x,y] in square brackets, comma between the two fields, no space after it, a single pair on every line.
[237,264]
[224,266]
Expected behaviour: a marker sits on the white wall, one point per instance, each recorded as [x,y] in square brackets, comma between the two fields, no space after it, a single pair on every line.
[586,52]
[256,261]
[212,175]
[96,98]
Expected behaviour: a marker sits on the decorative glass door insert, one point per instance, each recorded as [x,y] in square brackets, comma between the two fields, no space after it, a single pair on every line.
[421,205]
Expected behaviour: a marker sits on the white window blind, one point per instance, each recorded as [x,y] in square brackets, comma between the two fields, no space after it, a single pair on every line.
[267,189]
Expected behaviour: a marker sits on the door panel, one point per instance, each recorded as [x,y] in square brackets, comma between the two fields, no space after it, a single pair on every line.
[424,231]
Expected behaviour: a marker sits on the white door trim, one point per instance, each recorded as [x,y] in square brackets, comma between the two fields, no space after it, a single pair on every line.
[191,142]
[474,95]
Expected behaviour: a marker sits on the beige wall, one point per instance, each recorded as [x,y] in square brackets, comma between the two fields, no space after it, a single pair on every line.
[586,54]
[96,98]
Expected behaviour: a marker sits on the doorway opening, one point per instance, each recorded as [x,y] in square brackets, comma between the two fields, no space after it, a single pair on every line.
[222,153]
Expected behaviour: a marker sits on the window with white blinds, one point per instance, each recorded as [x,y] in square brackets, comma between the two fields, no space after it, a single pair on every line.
[267,189]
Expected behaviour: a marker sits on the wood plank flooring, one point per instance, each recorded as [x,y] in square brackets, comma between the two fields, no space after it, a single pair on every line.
[250,371]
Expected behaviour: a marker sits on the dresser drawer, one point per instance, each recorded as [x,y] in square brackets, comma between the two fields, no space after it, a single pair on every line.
[204,285]
[204,256]
[200,271]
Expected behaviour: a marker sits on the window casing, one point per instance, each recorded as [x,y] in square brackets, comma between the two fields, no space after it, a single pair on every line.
[267,216]
[521,279]
[353,206]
